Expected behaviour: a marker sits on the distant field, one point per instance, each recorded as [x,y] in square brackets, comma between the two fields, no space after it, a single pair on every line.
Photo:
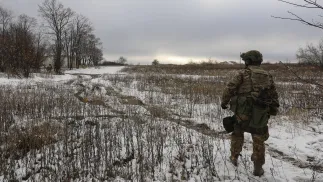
[152,123]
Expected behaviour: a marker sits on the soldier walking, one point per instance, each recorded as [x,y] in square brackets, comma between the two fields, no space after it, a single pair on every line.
[253,98]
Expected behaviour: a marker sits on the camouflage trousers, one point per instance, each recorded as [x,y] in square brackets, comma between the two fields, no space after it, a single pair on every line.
[237,139]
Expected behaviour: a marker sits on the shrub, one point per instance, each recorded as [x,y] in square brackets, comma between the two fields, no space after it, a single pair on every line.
[155,62]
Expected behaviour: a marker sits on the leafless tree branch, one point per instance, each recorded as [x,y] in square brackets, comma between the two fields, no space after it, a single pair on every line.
[57,18]
[310,4]
[298,77]
[298,18]
[315,5]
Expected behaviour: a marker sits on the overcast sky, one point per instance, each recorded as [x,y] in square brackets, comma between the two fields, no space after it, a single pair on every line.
[176,31]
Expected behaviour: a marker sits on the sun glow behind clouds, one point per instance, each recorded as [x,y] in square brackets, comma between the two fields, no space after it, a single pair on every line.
[168,59]
[177,59]
[171,59]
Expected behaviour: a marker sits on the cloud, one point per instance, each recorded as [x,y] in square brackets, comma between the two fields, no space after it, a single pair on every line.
[142,30]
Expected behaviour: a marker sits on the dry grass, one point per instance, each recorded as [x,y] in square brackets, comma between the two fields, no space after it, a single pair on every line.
[34,137]
[200,89]
[209,86]
[279,71]
[131,143]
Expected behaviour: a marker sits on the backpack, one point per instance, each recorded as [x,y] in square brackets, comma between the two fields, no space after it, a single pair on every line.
[260,82]
[254,105]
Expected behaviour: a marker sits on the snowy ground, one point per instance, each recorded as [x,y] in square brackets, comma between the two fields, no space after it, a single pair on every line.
[100,70]
[122,127]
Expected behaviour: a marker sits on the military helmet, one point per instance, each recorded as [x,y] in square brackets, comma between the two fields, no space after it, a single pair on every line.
[252,57]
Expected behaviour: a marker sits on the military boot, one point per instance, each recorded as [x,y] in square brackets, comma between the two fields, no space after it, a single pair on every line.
[234,159]
[258,170]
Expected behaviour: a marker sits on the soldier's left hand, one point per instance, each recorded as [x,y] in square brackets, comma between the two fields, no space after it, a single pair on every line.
[224,106]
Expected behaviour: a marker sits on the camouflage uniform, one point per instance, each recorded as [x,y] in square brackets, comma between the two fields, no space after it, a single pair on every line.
[244,85]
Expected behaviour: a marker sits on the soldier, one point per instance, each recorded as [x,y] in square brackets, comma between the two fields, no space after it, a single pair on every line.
[253,98]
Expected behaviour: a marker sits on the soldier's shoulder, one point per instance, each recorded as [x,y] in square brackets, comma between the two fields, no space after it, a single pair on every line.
[244,72]
[241,71]
[239,74]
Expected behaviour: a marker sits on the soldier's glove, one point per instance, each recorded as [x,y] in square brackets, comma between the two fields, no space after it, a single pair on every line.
[224,106]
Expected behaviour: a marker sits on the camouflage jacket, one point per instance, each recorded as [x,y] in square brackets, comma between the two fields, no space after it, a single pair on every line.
[243,83]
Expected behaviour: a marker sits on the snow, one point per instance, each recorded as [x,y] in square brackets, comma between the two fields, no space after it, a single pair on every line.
[292,147]
[297,140]
[97,70]
[6,81]
[36,78]
[69,75]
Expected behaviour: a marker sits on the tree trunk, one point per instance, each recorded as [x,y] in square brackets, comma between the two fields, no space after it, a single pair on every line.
[58,57]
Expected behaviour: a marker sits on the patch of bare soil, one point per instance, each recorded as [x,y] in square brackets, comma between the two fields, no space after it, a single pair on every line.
[131,100]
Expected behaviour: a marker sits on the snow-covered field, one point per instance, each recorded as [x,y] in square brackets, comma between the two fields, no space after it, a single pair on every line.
[100,124]
[97,70]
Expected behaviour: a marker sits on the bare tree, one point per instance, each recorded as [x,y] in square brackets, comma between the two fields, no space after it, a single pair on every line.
[25,51]
[311,54]
[81,28]
[155,62]
[25,43]
[122,60]
[41,47]
[57,18]
[27,23]
[68,44]
[82,47]
[93,50]
[308,4]
[5,19]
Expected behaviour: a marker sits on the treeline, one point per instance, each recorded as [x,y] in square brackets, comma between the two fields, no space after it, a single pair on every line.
[22,49]
[66,37]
